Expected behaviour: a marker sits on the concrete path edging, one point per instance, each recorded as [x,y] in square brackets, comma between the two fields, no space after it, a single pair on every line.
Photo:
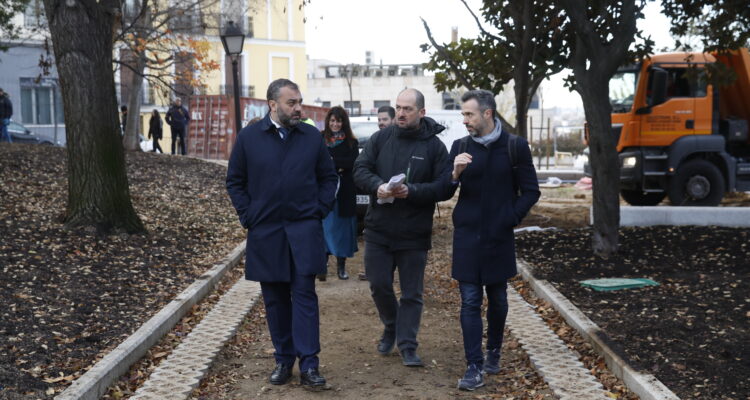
[94,383]
[646,386]
[733,217]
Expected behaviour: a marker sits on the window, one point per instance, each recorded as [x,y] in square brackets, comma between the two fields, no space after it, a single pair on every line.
[184,19]
[326,104]
[381,103]
[237,12]
[33,16]
[353,107]
[41,103]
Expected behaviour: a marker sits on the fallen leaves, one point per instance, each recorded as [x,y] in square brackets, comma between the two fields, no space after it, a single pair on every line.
[73,295]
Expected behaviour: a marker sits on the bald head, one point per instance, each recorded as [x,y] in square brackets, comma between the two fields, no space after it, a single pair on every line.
[409,108]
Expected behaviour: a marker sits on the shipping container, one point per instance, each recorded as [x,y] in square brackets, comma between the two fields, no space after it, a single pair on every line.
[211,132]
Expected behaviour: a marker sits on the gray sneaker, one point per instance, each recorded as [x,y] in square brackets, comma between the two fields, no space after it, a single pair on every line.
[473,378]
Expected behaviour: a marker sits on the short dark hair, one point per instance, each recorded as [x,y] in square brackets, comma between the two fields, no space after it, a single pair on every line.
[275,88]
[390,110]
[418,95]
[124,108]
[485,99]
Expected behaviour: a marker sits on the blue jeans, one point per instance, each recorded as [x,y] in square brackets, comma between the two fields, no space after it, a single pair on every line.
[471,318]
[4,134]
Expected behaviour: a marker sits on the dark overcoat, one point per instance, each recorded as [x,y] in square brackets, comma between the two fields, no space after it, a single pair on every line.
[488,208]
[282,189]
[344,156]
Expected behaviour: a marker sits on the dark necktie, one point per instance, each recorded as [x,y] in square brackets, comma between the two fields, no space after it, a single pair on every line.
[283,132]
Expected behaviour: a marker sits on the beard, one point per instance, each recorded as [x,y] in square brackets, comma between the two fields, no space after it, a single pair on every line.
[288,120]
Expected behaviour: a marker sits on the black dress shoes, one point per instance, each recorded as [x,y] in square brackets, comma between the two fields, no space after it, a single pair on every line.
[312,380]
[410,358]
[385,346]
[280,374]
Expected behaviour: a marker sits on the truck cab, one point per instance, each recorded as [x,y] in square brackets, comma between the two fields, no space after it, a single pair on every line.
[681,133]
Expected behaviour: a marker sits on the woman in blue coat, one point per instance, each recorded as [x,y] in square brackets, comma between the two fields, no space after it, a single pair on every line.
[340,226]
[498,188]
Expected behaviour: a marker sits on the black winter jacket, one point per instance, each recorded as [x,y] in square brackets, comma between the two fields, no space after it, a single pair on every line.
[6,107]
[405,224]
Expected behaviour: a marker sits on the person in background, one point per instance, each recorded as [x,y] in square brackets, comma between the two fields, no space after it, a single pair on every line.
[386,116]
[340,226]
[123,118]
[282,183]
[398,228]
[156,130]
[178,119]
[6,111]
[498,188]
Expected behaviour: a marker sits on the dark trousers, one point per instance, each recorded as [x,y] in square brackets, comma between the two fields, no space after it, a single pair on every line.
[178,134]
[471,318]
[293,320]
[157,146]
[399,316]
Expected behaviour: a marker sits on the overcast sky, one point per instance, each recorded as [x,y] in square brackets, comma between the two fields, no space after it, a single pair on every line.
[342,30]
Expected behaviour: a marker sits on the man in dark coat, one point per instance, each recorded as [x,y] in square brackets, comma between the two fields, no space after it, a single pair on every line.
[282,183]
[398,234]
[496,193]
[178,118]
[6,111]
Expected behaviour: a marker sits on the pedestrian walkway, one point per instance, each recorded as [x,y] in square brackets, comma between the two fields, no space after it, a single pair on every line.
[349,334]
[560,366]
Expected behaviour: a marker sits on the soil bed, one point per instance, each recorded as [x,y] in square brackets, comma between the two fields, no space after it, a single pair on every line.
[692,330]
[70,296]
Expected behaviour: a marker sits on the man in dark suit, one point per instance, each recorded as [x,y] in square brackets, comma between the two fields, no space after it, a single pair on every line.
[282,183]
[498,188]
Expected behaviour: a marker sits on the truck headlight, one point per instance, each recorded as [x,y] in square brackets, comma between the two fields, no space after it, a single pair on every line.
[629,162]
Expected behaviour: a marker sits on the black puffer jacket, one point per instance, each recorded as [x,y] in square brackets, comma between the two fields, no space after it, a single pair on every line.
[406,224]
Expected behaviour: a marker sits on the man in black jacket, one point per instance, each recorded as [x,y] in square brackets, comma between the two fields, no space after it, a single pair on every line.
[398,233]
[6,111]
[178,118]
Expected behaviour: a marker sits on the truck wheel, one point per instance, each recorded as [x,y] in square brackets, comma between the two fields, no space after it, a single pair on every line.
[639,198]
[696,183]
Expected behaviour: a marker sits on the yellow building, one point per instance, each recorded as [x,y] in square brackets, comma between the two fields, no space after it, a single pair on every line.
[274,48]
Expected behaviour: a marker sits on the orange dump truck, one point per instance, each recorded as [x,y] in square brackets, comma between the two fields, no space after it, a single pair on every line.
[679,135]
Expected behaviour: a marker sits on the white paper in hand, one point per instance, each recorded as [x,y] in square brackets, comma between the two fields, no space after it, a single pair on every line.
[392,184]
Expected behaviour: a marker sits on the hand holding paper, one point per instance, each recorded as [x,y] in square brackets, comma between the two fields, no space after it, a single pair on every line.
[392,184]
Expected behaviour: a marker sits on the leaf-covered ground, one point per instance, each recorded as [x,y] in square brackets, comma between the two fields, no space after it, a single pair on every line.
[693,330]
[70,296]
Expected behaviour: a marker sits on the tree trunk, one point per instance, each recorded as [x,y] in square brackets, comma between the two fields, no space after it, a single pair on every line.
[605,166]
[98,192]
[131,142]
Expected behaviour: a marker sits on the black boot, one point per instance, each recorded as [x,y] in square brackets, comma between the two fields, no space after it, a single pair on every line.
[322,277]
[341,264]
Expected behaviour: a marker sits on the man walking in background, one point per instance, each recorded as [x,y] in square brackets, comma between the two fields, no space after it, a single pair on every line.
[498,188]
[6,111]
[386,116]
[282,183]
[398,227]
[178,118]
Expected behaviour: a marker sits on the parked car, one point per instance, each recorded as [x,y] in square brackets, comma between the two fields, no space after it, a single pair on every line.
[20,134]
[363,128]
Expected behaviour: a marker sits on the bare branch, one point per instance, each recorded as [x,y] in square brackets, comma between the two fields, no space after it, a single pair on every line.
[479,24]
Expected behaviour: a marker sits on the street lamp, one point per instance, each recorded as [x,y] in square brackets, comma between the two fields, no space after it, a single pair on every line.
[232,38]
